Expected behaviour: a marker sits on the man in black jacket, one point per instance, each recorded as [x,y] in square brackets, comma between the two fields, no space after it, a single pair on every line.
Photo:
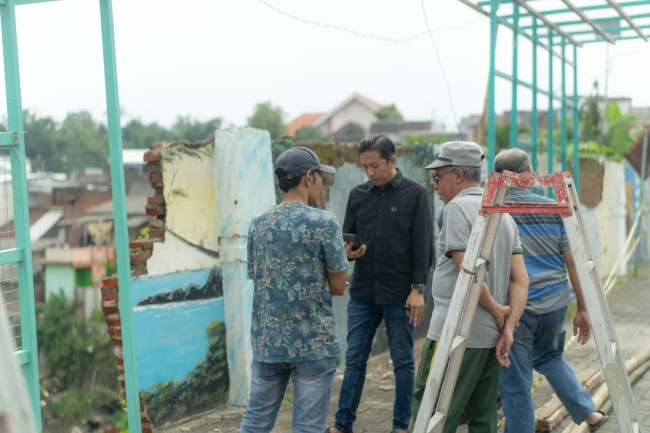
[391,218]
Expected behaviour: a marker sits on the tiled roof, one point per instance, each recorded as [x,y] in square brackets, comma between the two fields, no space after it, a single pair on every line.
[302,121]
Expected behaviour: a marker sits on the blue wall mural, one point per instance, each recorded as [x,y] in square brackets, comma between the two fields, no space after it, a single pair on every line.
[180,342]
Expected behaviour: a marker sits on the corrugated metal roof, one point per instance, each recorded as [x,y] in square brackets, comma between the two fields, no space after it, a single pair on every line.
[45,223]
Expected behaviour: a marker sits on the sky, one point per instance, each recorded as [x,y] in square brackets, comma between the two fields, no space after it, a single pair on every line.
[219,58]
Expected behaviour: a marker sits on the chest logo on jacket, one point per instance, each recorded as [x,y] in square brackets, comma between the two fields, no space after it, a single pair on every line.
[393,209]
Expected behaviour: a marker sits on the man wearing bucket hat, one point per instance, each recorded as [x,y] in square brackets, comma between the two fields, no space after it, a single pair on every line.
[297,261]
[456,175]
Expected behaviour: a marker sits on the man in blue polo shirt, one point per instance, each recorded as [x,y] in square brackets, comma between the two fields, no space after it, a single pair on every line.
[539,339]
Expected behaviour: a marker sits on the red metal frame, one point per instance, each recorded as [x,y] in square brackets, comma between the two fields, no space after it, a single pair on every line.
[507,179]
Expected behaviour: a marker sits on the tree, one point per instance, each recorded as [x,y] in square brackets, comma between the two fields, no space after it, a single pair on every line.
[389,112]
[266,116]
[186,128]
[138,135]
[310,133]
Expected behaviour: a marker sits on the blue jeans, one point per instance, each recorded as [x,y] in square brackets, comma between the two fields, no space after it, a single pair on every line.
[363,320]
[312,385]
[539,344]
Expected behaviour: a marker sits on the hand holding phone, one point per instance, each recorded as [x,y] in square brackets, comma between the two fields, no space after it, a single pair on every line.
[351,238]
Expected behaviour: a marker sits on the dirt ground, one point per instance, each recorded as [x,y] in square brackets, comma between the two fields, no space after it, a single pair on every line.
[374,414]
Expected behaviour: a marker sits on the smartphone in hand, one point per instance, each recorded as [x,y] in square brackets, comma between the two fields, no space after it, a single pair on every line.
[351,238]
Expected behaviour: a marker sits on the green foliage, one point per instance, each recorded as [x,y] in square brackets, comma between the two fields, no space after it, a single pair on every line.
[144,234]
[80,142]
[310,133]
[266,116]
[76,350]
[203,388]
[389,112]
[590,122]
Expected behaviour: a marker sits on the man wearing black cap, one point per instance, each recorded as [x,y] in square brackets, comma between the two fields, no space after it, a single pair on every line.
[297,261]
[456,176]
[390,216]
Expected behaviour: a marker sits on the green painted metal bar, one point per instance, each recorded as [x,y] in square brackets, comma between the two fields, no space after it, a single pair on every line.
[7,139]
[21,206]
[563,109]
[23,357]
[583,8]
[613,29]
[515,75]
[28,2]
[491,84]
[551,113]
[576,121]
[505,76]
[11,256]
[618,38]
[534,120]
[505,23]
[119,214]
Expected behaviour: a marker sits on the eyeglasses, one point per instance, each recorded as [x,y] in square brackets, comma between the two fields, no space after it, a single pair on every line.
[436,177]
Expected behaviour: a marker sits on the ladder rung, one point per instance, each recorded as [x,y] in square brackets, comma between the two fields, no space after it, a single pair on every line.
[457,343]
[613,346]
[590,265]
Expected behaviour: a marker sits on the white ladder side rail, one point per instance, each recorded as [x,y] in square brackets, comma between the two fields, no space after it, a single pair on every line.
[609,351]
[16,414]
[443,373]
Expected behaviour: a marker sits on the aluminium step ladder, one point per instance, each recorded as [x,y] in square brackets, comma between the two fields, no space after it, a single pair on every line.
[451,347]
[16,414]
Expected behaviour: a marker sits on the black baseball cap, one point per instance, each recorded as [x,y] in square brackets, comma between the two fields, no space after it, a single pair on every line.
[298,161]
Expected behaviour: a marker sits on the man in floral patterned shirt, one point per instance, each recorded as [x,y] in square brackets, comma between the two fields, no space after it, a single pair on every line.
[297,262]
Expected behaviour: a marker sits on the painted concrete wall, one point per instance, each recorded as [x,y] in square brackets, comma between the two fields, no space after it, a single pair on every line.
[59,278]
[191,239]
[244,189]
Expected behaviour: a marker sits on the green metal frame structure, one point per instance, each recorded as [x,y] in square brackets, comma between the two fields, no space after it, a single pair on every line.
[556,26]
[15,248]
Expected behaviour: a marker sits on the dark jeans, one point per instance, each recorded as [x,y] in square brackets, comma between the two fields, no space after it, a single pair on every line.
[363,320]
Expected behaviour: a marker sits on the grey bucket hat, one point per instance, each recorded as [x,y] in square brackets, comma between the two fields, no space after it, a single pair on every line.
[458,153]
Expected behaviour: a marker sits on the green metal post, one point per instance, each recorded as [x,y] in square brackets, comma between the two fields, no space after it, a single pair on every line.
[515,76]
[551,112]
[563,119]
[119,211]
[533,126]
[576,121]
[29,352]
[491,124]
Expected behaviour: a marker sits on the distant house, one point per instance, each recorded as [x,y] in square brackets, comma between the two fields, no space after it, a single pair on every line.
[348,121]
[305,120]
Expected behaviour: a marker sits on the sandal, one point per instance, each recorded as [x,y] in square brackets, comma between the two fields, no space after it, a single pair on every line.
[599,424]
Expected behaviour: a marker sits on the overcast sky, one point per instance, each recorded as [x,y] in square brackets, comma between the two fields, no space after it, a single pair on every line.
[218,58]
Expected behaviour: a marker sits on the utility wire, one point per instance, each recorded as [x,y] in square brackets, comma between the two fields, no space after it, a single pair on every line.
[442,68]
[343,29]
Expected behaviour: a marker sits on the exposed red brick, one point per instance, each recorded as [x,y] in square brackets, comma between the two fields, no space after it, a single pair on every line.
[151,156]
[116,333]
[155,210]
[110,310]
[110,296]
[156,199]
[109,282]
[142,243]
[157,233]
[156,179]
[141,257]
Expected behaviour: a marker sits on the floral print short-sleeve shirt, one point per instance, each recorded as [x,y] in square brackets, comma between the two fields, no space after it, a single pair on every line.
[291,249]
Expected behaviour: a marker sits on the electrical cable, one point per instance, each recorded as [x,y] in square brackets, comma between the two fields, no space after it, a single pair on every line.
[442,68]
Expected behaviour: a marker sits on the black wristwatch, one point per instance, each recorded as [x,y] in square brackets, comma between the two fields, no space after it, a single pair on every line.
[419,287]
